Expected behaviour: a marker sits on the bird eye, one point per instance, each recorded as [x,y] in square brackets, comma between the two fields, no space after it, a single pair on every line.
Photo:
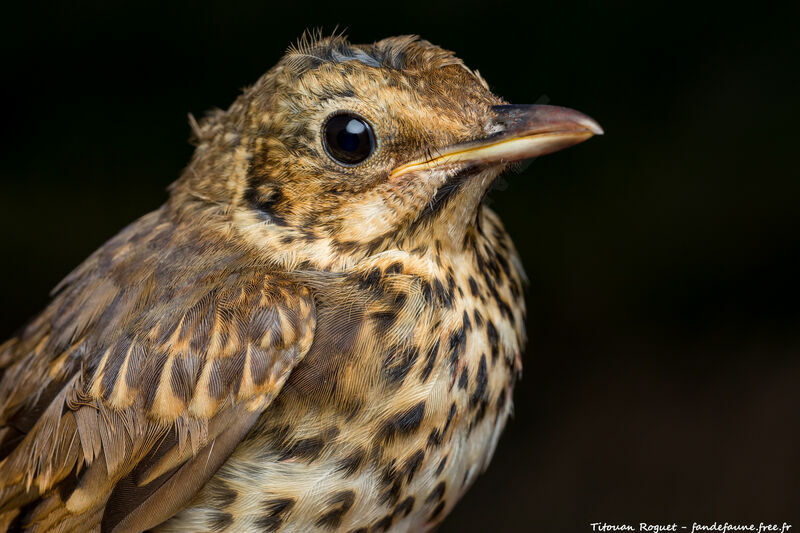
[348,138]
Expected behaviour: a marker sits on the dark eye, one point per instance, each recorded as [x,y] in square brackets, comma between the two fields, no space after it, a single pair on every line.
[348,138]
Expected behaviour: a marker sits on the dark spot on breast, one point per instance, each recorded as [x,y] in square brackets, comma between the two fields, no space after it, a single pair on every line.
[434,438]
[222,495]
[405,507]
[458,343]
[451,283]
[350,464]
[436,511]
[515,291]
[218,521]
[347,246]
[441,293]
[437,493]
[506,310]
[469,240]
[504,265]
[403,423]
[463,379]
[383,524]
[398,363]
[441,466]
[391,480]
[465,321]
[478,317]
[501,400]
[412,464]
[481,412]
[491,333]
[482,381]
[430,359]
[391,494]
[473,286]
[420,250]
[308,449]
[450,416]
[395,268]
[278,506]
[275,512]
[359,530]
[390,473]
[269,523]
[341,502]
[490,287]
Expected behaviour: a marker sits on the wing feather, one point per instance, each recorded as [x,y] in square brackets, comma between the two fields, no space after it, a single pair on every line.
[149,359]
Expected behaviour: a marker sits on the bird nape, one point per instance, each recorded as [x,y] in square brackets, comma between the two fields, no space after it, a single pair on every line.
[319,331]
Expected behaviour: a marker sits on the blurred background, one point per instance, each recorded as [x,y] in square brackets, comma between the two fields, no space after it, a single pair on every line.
[661,379]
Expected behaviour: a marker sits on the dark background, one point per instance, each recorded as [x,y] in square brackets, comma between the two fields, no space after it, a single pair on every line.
[661,381]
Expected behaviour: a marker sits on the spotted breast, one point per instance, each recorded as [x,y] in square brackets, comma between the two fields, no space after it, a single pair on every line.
[384,426]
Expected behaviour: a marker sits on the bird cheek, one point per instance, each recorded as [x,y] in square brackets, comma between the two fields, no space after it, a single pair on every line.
[383,209]
[366,219]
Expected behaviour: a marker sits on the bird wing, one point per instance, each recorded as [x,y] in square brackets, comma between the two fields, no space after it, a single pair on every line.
[123,398]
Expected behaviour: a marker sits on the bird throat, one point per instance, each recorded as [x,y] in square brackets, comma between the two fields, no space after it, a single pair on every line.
[455,208]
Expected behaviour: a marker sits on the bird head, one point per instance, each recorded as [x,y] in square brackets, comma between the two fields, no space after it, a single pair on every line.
[342,151]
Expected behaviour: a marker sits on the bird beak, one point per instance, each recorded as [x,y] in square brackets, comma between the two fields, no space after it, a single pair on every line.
[517,132]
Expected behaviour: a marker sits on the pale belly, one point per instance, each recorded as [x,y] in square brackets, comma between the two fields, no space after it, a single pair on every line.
[253,494]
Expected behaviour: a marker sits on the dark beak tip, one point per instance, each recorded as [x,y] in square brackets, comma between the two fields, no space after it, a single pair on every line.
[536,117]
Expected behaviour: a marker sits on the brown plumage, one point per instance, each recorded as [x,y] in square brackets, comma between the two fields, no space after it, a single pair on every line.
[320,329]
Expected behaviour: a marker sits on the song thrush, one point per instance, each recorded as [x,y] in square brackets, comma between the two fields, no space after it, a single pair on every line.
[319,331]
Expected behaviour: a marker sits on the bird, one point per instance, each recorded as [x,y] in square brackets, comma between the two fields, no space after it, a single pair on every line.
[320,330]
